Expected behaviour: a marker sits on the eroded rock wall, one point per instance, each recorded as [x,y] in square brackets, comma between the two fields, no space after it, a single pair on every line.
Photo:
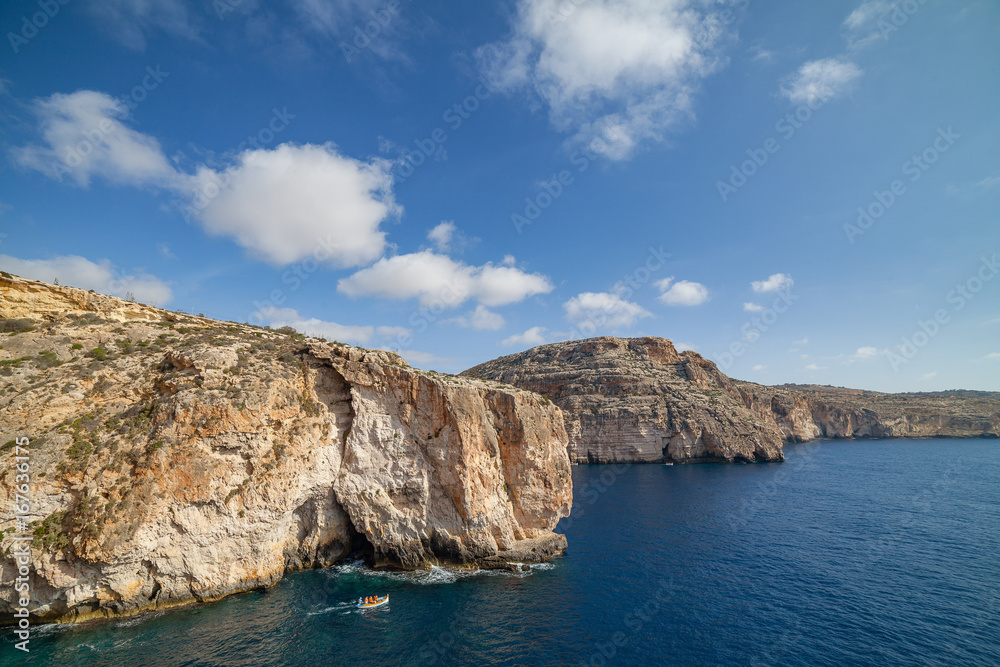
[176,458]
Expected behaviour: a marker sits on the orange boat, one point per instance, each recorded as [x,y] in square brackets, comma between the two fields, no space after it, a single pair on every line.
[371,605]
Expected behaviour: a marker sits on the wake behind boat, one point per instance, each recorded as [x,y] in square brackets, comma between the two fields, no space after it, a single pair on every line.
[371,603]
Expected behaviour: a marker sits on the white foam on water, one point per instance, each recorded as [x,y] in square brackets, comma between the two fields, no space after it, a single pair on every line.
[434,576]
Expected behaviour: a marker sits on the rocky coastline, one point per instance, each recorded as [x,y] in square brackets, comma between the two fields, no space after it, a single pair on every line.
[640,400]
[176,459]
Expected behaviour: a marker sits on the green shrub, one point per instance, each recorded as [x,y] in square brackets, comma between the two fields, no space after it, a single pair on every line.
[98,353]
[16,326]
[50,532]
[76,346]
[48,359]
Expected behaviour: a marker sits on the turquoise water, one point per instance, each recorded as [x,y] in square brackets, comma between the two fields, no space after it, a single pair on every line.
[849,553]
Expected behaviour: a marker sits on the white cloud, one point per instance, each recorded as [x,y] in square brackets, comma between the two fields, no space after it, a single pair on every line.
[418,358]
[341,19]
[165,250]
[681,346]
[84,137]
[345,333]
[751,307]
[682,293]
[295,202]
[989,182]
[530,338]
[482,318]
[437,279]
[286,204]
[602,309]
[992,356]
[867,13]
[128,21]
[818,81]
[102,276]
[929,376]
[867,352]
[624,71]
[759,367]
[775,283]
[814,367]
[441,235]
[804,341]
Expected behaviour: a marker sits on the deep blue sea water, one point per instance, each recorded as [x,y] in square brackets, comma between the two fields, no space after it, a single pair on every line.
[849,553]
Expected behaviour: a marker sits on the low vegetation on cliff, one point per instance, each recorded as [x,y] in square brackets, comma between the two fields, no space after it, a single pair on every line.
[177,458]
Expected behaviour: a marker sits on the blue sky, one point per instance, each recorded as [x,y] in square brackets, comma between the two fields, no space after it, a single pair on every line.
[802,192]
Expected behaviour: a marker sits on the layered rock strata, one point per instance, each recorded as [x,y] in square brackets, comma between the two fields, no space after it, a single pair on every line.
[640,400]
[176,458]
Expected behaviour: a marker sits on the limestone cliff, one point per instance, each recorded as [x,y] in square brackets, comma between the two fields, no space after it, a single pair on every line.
[176,458]
[640,400]
[805,412]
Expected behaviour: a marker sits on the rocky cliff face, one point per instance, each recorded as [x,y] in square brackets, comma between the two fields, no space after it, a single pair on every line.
[805,412]
[176,458]
[639,400]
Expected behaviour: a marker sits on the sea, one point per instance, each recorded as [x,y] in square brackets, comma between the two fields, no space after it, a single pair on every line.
[849,553]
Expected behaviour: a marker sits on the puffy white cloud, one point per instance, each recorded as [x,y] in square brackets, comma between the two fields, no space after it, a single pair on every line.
[775,283]
[441,235]
[814,367]
[294,202]
[622,70]
[819,81]
[530,338]
[603,309]
[84,136]
[102,276]
[682,293]
[681,346]
[759,367]
[345,333]
[284,204]
[866,352]
[482,318]
[751,307]
[436,279]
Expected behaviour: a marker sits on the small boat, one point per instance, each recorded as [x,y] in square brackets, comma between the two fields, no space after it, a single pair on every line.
[371,605]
